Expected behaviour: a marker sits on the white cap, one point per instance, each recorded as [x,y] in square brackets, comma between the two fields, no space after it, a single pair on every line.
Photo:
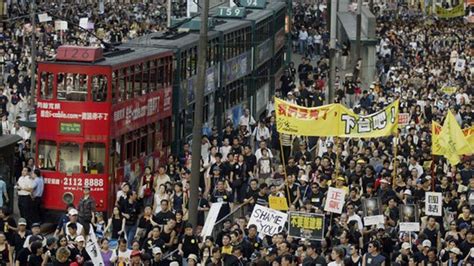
[73,212]
[80,238]
[406,245]
[174,263]
[156,250]
[304,178]
[456,250]
[426,243]
[407,191]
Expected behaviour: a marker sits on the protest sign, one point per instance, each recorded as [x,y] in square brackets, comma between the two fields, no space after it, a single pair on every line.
[278,203]
[268,221]
[83,22]
[372,211]
[460,64]
[60,25]
[335,200]
[306,225]
[44,17]
[211,219]
[334,120]
[409,218]
[433,203]
[403,119]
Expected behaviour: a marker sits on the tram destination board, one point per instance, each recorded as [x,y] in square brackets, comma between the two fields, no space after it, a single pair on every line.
[79,53]
[255,4]
[231,12]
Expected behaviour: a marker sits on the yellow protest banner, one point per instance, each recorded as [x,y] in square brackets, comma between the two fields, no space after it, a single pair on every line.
[334,120]
[278,203]
[457,11]
[449,90]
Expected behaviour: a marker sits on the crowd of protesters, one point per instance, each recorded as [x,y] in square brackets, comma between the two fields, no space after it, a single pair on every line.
[244,163]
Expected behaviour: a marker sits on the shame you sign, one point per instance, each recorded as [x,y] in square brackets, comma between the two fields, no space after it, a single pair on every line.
[268,221]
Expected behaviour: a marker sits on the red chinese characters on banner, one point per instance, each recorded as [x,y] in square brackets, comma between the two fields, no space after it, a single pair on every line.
[303,113]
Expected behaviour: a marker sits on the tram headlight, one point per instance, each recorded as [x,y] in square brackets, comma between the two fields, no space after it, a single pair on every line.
[68,198]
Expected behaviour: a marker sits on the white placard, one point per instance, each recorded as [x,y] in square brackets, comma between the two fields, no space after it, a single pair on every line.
[409,227]
[211,219]
[60,25]
[433,203]
[83,23]
[335,200]
[44,17]
[101,7]
[268,221]
[93,249]
[374,220]
[460,64]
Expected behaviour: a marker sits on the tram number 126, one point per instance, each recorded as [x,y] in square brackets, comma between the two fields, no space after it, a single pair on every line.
[79,182]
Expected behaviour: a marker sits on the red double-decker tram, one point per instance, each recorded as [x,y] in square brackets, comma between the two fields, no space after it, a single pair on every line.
[101,118]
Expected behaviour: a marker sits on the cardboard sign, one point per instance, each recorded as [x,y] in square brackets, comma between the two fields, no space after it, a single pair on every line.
[211,219]
[44,17]
[60,25]
[268,221]
[409,218]
[403,119]
[335,200]
[372,211]
[83,22]
[278,203]
[306,225]
[433,203]
[460,64]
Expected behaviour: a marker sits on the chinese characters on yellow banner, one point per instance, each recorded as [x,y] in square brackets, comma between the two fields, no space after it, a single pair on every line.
[335,120]
[306,225]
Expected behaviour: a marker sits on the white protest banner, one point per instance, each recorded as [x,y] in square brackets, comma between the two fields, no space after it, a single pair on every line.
[268,221]
[211,219]
[83,22]
[403,119]
[433,203]
[335,200]
[93,249]
[44,17]
[373,214]
[373,220]
[460,64]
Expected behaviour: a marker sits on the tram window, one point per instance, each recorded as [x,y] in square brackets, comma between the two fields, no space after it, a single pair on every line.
[115,93]
[160,73]
[93,158]
[153,74]
[76,87]
[138,78]
[69,157]
[146,77]
[47,85]
[61,81]
[99,88]
[130,81]
[123,85]
[47,155]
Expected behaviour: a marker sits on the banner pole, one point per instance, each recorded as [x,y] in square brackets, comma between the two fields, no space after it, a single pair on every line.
[337,164]
[284,170]
[395,151]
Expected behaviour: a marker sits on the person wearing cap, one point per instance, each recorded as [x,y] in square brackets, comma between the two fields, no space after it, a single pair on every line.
[192,259]
[80,252]
[432,233]
[63,220]
[35,232]
[157,258]
[136,258]
[86,208]
[385,192]
[73,220]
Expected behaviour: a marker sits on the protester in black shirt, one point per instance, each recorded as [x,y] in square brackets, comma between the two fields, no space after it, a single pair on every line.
[165,214]
[188,243]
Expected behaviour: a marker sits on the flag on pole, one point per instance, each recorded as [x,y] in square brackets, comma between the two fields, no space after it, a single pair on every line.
[452,140]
